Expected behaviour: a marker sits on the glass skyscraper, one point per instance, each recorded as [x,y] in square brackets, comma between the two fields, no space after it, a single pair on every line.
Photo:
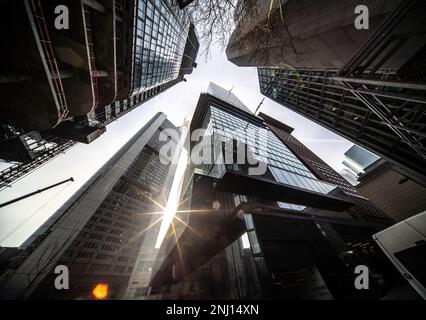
[161,32]
[365,85]
[117,55]
[317,95]
[250,234]
[284,166]
[370,92]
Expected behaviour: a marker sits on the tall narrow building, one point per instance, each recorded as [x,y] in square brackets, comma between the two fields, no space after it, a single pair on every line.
[162,47]
[264,217]
[98,233]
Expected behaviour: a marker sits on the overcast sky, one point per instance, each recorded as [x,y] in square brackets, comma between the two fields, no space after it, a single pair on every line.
[19,220]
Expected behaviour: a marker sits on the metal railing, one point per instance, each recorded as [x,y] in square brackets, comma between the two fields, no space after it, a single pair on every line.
[91,56]
[48,57]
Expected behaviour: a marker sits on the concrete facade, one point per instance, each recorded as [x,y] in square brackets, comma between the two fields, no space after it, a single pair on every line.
[51,241]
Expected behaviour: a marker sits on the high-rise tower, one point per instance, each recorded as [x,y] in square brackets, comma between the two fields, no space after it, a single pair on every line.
[98,233]
[61,86]
[263,212]
[367,85]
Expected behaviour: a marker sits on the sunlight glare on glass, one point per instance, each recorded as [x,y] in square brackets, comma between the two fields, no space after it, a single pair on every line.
[173,200]
[245,241]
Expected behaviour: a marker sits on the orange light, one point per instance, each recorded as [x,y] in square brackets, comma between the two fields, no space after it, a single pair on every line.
[100,291]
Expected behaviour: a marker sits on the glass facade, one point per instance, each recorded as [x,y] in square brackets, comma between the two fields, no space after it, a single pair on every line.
[117,243]
[285,167]
[161,31]
[317,95]
[357,159]
[273,249]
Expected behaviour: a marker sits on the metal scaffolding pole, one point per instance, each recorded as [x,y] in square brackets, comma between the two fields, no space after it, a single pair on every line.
[4,204]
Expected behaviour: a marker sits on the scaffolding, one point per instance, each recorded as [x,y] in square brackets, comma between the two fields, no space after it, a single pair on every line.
[19,170]
[91,56]
[36,15]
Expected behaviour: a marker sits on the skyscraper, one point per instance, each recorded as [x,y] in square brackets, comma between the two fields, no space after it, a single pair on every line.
[360,84]
[98,233]
[363,208]
[64,85]
[163,47]
[249,234]
[301,33]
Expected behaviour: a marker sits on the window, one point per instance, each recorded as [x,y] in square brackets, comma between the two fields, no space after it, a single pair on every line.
[249,221]
[141,291]
[255,247]
[245,242]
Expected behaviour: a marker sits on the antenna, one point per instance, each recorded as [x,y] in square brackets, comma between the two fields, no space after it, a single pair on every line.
[258,107]
[229,92]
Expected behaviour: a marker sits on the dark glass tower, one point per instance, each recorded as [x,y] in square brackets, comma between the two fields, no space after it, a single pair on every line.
[98,233]
[160,38]
[64,86]
[247,234]
[365,85]
[375,99]
[320,97]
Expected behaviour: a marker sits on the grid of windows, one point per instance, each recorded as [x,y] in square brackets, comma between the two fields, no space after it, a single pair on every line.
[265,146]
[291,206]
[315,92]
[317,95]
[149,171]
[161,30]
[313,161]
[110,242]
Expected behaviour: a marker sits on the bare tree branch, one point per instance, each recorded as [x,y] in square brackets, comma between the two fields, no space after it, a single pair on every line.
[256,26]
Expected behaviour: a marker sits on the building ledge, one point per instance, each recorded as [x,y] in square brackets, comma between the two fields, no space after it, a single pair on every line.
[238,183]
[205,236]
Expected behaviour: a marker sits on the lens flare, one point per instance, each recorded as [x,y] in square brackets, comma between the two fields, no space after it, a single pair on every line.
[100,291]
[173,200]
